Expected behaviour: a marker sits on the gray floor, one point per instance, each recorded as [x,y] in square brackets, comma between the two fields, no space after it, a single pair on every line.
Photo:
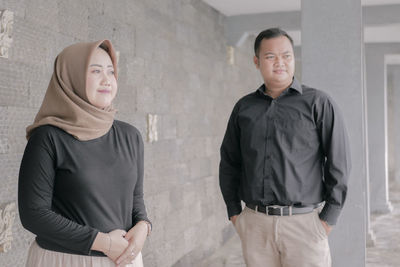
[385,253]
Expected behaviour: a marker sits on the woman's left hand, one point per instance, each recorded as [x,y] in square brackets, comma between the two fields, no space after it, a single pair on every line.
[136,237]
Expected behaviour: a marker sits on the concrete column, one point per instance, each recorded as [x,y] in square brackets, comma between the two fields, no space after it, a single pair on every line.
[370,242]
[332,61]
[393,87]
[377,130]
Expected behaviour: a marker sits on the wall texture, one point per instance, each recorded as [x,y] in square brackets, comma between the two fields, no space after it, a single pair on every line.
[173,63]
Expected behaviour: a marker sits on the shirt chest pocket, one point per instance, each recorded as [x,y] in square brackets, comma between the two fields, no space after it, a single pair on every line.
[296,136]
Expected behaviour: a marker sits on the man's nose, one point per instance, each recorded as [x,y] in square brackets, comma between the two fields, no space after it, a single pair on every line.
[279,60]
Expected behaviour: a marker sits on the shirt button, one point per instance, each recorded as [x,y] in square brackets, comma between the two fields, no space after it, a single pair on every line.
[268,156]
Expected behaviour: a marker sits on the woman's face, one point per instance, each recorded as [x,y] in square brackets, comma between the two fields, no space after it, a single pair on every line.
[101,84]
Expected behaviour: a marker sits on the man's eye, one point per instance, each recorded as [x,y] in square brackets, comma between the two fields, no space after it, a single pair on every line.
[270,57]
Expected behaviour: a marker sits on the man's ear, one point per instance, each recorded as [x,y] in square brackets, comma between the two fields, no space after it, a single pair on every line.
[256,62]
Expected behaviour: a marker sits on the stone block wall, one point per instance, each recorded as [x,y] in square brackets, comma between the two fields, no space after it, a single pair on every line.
[173,63]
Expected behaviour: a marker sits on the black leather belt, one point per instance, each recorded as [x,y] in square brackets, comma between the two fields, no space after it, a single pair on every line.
[282,210]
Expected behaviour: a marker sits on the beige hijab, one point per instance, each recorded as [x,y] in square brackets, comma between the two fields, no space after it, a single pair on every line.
[65,104]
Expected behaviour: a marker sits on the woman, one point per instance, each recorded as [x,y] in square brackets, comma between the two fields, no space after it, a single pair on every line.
[81,177]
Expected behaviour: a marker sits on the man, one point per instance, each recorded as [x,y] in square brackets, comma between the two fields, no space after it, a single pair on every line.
[286,155]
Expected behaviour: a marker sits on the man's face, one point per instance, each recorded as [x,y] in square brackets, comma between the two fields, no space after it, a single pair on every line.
[275,61]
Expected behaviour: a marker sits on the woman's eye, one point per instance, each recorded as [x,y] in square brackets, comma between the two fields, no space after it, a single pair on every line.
[95,71]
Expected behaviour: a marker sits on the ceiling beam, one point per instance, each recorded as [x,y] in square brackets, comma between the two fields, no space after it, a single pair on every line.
[239,27]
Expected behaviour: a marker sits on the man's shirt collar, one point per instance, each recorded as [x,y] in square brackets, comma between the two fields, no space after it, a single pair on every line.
[296,85]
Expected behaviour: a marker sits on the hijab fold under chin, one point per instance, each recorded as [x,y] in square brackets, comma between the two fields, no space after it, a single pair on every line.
[65,104]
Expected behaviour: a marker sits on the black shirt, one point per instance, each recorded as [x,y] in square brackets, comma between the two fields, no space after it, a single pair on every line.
[292,150]
[69,190]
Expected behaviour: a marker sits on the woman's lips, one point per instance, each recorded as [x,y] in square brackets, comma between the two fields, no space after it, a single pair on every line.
[104,91]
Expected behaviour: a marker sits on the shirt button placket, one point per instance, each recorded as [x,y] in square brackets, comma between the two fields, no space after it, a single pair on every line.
[268,155]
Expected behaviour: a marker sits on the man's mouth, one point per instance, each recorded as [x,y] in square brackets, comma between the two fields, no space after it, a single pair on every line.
[279,71]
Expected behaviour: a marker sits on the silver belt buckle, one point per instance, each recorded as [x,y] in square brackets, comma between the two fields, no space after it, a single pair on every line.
[276,207]
[280,209]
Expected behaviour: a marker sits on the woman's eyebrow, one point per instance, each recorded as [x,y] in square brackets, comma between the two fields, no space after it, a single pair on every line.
[99,65]
[95,65]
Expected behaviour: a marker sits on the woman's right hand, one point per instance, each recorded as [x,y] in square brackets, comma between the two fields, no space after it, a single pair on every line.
[112,244]
[117,244]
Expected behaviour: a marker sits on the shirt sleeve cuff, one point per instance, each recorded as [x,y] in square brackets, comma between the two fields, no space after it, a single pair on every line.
[93,236]
[330,214]
[234,209]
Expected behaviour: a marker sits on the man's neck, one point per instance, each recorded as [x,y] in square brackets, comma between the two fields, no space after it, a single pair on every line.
[275,91]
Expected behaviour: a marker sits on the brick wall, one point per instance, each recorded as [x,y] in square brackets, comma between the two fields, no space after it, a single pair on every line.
[173,63]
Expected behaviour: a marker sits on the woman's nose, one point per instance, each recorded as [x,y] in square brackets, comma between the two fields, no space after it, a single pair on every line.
[105,79]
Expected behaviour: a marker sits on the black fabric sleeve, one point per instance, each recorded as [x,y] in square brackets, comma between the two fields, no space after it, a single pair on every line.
[230,167]
[35,191]
[336,148]
[139,209]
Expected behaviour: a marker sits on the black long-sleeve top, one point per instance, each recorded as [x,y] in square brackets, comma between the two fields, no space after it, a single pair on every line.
[292,150]
[69,190]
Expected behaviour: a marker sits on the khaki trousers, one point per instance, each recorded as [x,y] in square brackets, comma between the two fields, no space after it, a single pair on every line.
[283,241]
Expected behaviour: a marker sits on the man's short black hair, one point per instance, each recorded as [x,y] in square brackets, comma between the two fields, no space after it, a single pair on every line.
[269,34]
